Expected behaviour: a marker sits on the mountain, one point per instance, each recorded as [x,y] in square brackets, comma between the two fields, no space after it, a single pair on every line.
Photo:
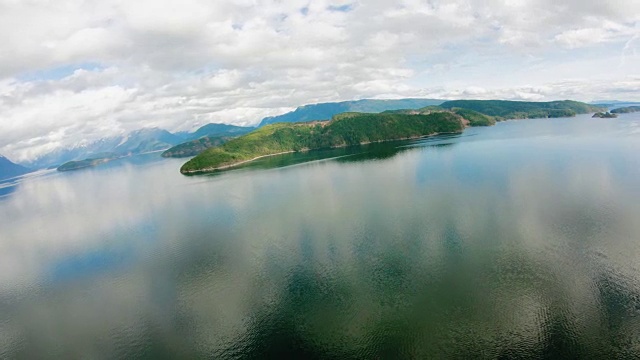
[215,130]
[612,102]
[146,140]
[343,130]
[9,169]
[207,136]
[195,147]
[324,111]
[473,118]
[523,109]
[136,142]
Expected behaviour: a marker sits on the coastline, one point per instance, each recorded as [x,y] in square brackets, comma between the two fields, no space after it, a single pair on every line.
[210,169]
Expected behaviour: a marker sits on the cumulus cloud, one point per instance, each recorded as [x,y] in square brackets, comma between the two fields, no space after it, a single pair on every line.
[79,70]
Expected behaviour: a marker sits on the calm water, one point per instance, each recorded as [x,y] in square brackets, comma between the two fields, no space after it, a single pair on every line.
[520,240]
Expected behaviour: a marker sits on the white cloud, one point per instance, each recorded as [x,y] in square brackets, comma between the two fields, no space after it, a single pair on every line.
[180,64]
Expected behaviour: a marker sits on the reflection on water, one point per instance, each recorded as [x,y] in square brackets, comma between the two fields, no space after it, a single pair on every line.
[518,240]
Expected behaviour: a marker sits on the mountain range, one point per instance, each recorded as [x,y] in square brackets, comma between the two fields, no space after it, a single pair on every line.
[324,111]
[136,142]
[155,139]
[191,143]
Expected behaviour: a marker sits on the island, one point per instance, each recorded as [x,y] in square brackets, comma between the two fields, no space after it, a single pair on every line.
[626,110]
[342,130]
[605,115]
[86,163]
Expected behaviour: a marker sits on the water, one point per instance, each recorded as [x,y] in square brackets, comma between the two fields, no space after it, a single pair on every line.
[516,241]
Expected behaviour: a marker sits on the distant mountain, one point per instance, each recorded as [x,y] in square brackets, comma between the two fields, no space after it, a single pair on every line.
[626,110]
[9,169]
[523,109]
[611,104]
[195,147]
[146,140]
[215,130]
[207,136]
[136,142]
[324,111]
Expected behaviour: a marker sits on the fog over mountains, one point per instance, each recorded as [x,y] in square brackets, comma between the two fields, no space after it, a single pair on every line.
[156,139]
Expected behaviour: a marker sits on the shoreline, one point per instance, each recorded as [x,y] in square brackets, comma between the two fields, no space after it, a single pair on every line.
[234,164]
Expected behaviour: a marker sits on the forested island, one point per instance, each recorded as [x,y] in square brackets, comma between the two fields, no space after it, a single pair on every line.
[605,115]
[626,110]
[343,130]
[86,163]
[350,129]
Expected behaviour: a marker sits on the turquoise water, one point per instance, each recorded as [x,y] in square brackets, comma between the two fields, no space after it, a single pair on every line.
[516,241]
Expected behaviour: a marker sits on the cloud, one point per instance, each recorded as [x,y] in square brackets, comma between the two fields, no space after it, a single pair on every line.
[79,70]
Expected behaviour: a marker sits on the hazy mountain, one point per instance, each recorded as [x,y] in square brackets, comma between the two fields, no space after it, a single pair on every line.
[146,140]
[136,142]
[9,169]
[613,102]
[325,111]
[609,104]
[215,130]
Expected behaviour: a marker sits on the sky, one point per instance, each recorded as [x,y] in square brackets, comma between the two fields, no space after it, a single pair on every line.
[74,71]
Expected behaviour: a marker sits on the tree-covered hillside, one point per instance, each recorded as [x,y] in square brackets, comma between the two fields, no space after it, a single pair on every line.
[325,111]
[344,130]
[626,110]
[215,130]
[473,118]
[523,109]
[195,147]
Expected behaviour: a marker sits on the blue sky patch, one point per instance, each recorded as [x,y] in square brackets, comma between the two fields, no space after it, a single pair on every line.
[59,72]
[341,8]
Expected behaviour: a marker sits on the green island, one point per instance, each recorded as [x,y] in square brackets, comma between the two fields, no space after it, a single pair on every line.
[605,115]
[626,110]
[351,129]
[346,129]
[86,163]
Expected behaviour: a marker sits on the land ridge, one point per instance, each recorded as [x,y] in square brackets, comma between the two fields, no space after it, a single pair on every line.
[343,130]
[355,128]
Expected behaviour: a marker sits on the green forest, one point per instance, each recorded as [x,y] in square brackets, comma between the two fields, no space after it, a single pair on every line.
[344,130]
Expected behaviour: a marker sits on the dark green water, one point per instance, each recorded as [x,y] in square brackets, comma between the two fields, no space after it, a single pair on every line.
[516,241]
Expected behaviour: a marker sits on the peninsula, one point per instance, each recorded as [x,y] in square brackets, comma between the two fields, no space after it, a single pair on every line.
[343,130]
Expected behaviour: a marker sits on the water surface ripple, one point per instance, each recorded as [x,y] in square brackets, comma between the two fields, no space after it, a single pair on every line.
[515,241]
